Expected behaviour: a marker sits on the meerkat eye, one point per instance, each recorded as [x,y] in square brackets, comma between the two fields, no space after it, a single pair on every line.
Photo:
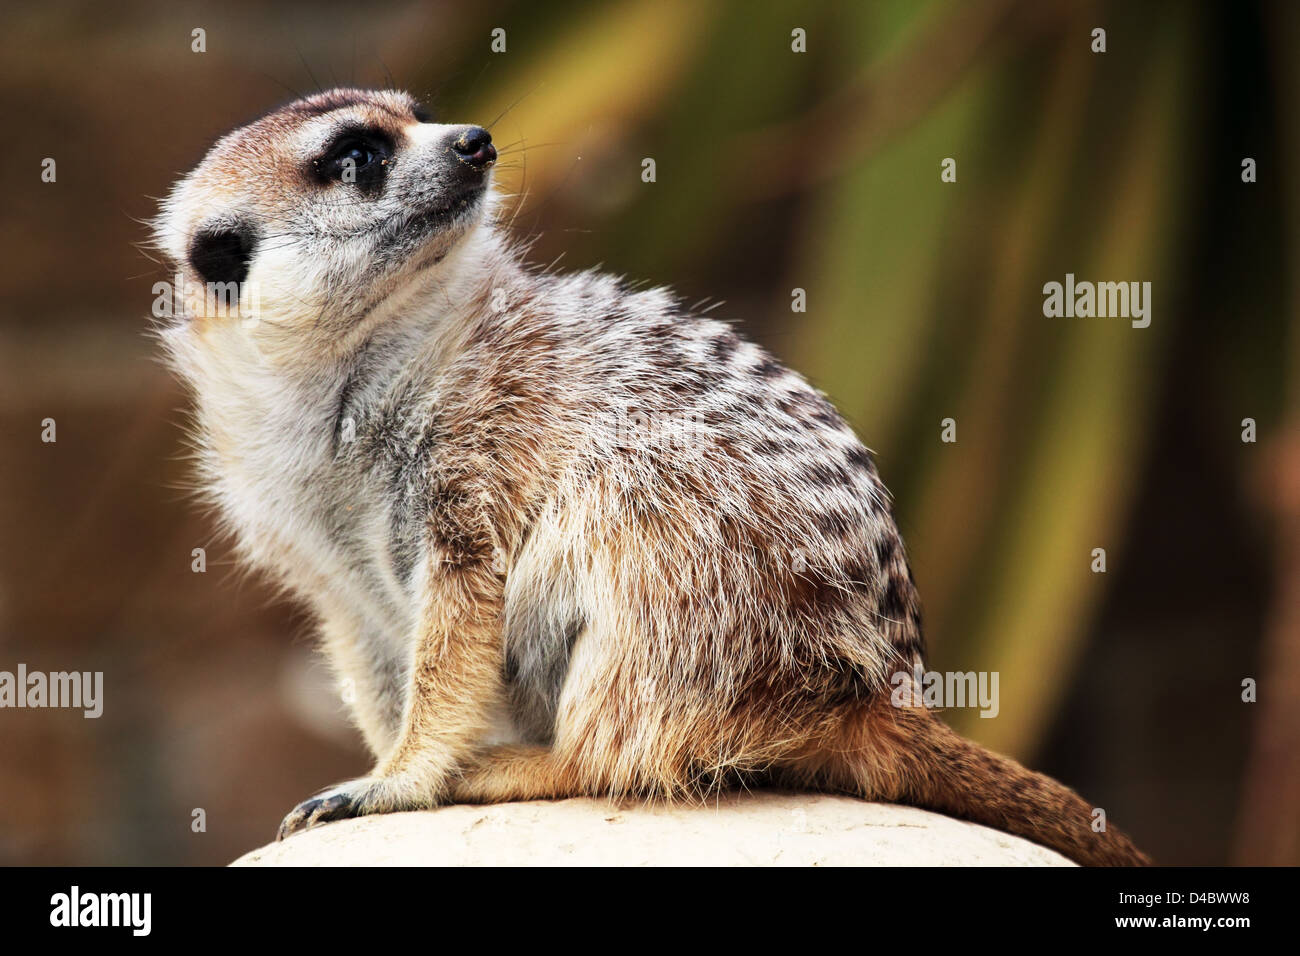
[358,154]
[350,156]
[355,157]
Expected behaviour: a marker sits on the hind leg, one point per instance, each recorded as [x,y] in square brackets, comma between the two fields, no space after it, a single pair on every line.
[503,774]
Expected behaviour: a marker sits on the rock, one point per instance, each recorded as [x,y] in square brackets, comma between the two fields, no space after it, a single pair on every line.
[755,829]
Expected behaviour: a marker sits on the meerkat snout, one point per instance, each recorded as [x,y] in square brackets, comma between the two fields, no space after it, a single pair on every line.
[474,148]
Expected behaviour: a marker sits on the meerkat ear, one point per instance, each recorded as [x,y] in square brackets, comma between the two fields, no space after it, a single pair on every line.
[221,253]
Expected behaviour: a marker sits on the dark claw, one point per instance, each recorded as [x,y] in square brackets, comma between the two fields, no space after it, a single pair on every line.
[318,810]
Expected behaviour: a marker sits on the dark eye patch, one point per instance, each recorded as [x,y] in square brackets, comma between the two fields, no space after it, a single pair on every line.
[221,253]
[355,155]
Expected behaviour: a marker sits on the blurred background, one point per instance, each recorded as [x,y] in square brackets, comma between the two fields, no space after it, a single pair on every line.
[776,170]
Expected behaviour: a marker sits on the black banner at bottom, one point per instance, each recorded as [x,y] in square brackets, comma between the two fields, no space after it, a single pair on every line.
[915,906]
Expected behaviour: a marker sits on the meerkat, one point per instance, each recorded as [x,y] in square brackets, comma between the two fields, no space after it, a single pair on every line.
[562,537]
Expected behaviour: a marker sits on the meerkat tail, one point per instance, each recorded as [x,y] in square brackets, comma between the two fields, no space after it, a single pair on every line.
[911,756]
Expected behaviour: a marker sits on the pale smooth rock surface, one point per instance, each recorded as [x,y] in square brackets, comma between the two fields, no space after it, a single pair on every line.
[756,829]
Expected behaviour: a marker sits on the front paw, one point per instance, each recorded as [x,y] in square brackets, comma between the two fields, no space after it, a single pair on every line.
[347,800]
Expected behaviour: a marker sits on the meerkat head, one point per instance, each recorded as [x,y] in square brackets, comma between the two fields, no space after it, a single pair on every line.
[325,207]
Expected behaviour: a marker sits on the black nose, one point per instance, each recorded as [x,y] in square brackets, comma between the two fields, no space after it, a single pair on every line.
[474,146]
